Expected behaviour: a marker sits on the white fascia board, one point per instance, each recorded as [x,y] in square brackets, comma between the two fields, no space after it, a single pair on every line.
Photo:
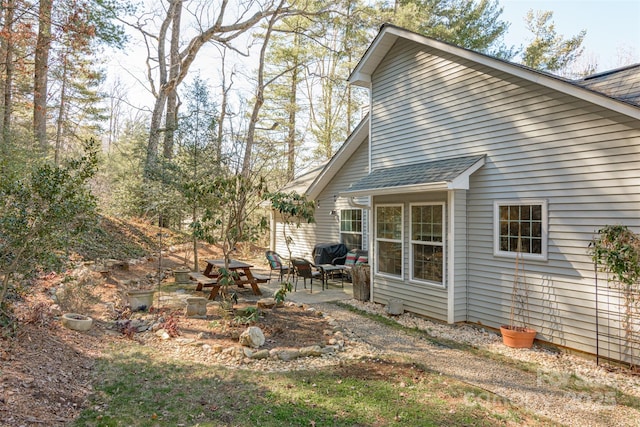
[461,182]
[402,189]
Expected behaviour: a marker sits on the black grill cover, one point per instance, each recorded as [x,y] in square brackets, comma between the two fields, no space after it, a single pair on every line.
[324,253]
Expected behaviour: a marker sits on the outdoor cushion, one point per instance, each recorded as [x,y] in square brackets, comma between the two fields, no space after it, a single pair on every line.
[362,259]
[351,258]
[275,260]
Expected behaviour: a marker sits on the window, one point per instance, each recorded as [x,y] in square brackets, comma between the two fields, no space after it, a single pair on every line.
[427,242]
[389,239]
[521,226]
[351,228]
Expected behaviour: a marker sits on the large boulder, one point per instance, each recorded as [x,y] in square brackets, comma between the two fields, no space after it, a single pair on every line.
[252,337]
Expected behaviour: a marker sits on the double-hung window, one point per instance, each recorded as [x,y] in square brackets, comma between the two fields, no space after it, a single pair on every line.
[520,226]
[351,228]
[389,227]
[427,242]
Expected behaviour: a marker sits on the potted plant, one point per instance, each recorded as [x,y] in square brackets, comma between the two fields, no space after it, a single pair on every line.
[518,333]
[74,296]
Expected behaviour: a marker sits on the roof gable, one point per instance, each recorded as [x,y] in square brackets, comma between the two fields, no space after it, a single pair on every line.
[389,34]
[301,183]
[359,135]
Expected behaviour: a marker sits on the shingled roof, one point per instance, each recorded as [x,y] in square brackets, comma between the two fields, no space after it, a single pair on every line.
[414,176]
[622,84]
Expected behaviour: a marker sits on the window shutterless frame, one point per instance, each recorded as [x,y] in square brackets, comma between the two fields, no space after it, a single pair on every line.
[427,243]
[521,222]
[351,228]
[389,240]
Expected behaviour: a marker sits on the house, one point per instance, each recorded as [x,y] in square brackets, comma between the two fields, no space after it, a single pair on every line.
[469,157]
[337,219]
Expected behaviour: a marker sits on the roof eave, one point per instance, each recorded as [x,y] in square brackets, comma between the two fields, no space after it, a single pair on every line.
[388,35]
[403,189]
[461,182]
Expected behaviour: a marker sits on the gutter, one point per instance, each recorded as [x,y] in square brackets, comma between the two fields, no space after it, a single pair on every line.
[355,204]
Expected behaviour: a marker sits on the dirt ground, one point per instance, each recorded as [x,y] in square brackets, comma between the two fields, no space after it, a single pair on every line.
[46,369]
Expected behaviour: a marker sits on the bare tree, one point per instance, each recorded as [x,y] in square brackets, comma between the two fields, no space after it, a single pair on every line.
[218,31]
[259,99]
[171,118]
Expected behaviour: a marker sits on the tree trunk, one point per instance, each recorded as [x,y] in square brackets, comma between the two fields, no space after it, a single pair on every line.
[171,118]
[223,110]
[154,133]
[291,136]
[61,110]
[257,106]
[7,83]
[219,32]
[41,69]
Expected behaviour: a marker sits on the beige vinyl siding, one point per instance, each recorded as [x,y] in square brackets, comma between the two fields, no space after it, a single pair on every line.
[540,144]
[326,228]
[354,169]
[301,236]
[422,298]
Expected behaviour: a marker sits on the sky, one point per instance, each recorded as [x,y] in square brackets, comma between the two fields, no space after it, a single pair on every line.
[611,25]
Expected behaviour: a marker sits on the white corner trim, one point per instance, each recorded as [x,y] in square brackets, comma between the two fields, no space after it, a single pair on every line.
[451,301]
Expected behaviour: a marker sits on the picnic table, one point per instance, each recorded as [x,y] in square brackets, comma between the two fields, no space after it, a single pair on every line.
[245,276]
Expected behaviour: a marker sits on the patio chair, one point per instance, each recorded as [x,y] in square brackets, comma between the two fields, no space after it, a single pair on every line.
[305,269]
[276,263]
[353,257]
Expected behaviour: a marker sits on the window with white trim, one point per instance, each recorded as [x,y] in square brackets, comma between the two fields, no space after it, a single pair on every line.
[427,242]
[389,227]
[351,228]
[520,226]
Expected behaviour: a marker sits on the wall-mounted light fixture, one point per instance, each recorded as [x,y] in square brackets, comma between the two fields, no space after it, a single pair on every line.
[333,212]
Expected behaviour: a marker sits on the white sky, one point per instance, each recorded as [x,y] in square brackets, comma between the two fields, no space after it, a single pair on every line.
[613,30]
[611,25]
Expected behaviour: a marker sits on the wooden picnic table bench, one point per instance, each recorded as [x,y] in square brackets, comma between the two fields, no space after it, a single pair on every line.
[245,276]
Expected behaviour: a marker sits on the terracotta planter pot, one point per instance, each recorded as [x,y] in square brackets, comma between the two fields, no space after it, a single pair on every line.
[517,337]
[77,322]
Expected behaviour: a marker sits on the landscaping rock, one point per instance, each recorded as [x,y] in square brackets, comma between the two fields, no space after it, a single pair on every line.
[311,351]
[163,334]
[266,303]
[287,355]
[252,337]
[260,354]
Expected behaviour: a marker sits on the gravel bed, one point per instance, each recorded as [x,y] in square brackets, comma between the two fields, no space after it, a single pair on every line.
[565,388]
[559,364]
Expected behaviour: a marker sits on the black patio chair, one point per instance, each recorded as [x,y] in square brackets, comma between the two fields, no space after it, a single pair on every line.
[306,270]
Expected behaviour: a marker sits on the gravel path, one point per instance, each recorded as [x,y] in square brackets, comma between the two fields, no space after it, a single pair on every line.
[545,389]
